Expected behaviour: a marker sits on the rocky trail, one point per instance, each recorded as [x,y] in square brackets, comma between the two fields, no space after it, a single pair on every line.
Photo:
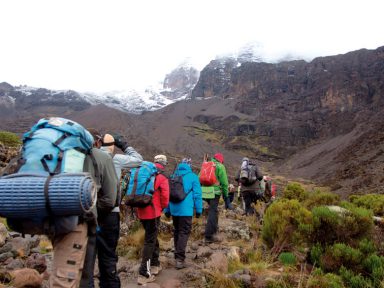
[27,260]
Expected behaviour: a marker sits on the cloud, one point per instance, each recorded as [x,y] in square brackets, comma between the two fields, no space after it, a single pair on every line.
[119,44]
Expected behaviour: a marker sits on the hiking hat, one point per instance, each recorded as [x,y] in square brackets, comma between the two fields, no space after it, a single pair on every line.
[162,159]
[187,160]
[109,141]
[219,157]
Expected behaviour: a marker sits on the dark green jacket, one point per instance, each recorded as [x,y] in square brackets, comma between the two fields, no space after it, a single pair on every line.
[106,181]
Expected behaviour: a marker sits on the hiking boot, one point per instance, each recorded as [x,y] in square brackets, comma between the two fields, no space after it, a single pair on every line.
[142,280]
[156,269]
[213,239]
[180,264]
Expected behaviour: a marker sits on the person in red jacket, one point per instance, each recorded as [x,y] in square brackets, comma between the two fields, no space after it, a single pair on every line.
[150,219]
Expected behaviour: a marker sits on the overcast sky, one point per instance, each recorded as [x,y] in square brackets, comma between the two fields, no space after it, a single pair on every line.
[94,45]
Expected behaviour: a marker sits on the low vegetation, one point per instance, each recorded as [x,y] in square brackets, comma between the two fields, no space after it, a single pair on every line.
[9,139]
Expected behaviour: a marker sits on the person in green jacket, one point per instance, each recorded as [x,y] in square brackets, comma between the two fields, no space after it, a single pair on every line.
[221,188]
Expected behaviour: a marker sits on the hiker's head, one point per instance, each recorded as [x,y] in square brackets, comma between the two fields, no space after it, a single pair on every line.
[219,157]
[187,160]
[97,138]
[109,142]
[245,159]
[161,159]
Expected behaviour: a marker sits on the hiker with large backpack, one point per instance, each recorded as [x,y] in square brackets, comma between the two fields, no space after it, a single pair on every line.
[109,223]
[185,199]
[248,178]
[149,216]
[53,193]
[214,181]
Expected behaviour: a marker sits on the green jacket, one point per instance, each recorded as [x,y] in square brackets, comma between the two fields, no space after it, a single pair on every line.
[221,175]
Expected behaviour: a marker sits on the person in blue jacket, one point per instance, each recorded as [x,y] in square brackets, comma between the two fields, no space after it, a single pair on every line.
[183,211]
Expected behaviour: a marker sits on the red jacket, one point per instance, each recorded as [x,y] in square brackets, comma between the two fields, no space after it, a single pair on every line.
[160,198]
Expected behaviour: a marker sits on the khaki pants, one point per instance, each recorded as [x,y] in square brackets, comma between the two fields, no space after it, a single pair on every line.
[68,257]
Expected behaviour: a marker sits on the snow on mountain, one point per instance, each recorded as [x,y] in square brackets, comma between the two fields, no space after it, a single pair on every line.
[132,101]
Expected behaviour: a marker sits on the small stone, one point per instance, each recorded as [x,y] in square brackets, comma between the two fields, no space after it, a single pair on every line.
[15,264]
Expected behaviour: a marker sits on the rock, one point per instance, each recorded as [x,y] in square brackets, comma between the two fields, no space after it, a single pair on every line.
[203,252]
[22,246]
[152,285]
[15,264]
[5,256]
[7,247]
[171,283]
[233,253]
[36,261]
[26,277]
[3,234]
[218,261]
[194,246]
[236,229]
[34,241]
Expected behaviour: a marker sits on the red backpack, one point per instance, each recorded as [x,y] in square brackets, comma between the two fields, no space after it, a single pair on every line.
[207,175]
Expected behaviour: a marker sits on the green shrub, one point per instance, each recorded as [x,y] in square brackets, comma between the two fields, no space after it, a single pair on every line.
[295,191]
[9,139]
[374,265]
[328,280]
[344,226]
[325,225]
[320,198]
[339,255]
[316,252]
[367,247]
[287,258]
[354,281]
[286,222]
[374,202]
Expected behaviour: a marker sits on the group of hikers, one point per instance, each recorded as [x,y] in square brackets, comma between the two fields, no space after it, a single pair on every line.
[179,195]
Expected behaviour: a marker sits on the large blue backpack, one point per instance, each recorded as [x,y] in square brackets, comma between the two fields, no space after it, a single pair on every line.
[141,185]
[50,188]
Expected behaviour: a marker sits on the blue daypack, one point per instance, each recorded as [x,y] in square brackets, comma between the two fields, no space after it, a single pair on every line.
[141,185]
[50,188]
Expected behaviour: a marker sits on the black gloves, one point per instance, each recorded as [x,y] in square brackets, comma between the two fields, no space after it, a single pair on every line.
[198,215]
[167,214]
[120,142]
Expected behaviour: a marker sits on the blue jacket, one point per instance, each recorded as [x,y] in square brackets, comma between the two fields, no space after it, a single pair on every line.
[194,199]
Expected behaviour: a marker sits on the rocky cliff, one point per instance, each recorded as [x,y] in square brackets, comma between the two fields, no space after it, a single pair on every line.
[290,104]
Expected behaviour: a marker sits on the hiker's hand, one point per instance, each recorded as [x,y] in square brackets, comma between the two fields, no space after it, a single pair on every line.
[198,215]
[167,214]
[121,143]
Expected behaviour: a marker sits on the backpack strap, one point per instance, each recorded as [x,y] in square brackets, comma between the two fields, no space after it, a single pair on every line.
[135,182]
[46,195]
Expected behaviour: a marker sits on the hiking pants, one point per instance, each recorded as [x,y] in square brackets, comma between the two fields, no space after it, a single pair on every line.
[182,229]
[151,248]
[68,257]
[249,197]
[213,217]
[106,239]
[231,196]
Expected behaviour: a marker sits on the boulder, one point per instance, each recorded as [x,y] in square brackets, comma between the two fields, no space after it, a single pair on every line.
[218,261]
[26,277]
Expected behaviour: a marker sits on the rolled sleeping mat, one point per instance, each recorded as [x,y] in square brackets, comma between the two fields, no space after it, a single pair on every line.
[22,195]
